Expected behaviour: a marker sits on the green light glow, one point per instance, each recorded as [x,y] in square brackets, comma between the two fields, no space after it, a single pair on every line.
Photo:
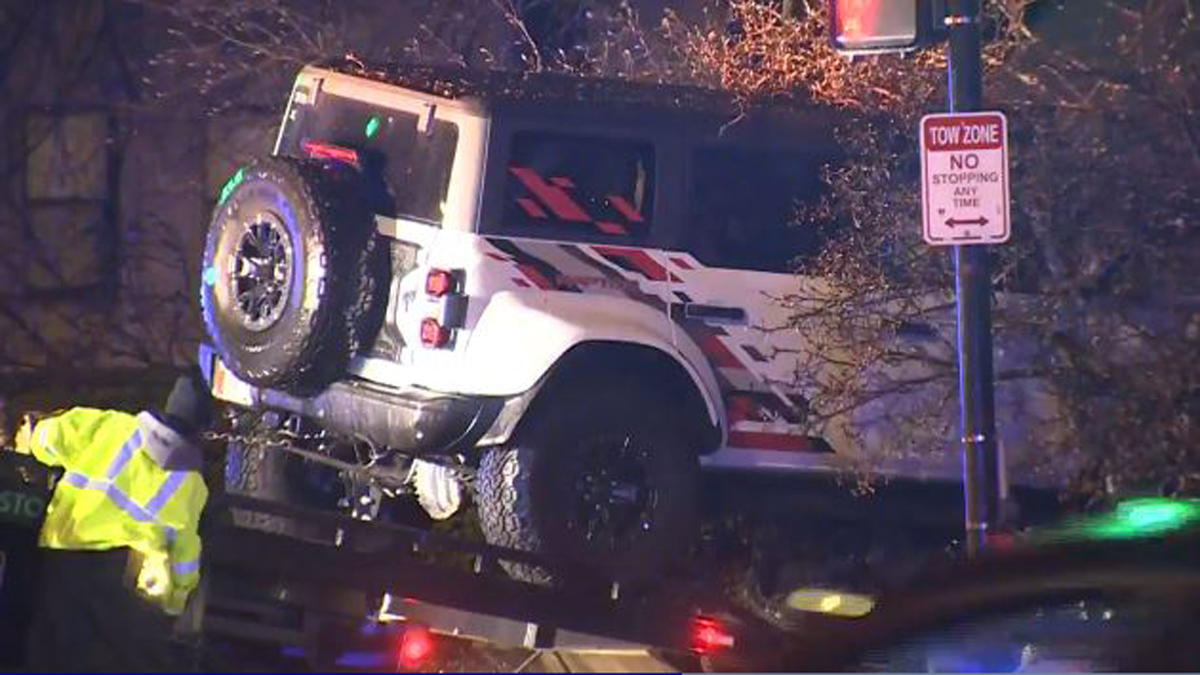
[1134,518]
[373,126]
[231,185]
[1143,517]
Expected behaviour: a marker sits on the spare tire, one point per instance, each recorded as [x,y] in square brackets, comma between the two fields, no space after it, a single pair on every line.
[293,274]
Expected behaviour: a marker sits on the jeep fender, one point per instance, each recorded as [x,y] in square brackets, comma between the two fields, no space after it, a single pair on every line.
[520,336]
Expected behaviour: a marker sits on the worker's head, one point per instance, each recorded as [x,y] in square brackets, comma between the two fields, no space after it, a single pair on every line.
[189,407]
[25,424]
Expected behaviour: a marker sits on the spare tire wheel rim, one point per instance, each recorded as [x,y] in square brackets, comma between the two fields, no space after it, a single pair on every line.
[616,495]
[262,271]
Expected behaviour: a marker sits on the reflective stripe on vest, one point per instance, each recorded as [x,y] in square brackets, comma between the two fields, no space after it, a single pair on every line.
[167,490]
[45,442]
[124,455]
[147,513]
[114,494]
[186,567]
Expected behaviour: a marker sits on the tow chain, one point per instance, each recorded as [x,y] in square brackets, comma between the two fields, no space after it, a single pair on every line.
[287,444]
[279,442]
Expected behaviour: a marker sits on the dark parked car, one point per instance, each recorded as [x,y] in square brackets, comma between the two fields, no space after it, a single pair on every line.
[1117,592]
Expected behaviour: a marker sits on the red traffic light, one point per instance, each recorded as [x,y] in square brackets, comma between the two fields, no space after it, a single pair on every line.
[871,26]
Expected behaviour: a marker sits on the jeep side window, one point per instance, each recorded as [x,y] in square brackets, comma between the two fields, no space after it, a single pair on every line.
[407,170]
[742,208]
[563,186]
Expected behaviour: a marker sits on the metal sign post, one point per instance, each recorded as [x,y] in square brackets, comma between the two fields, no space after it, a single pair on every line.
[964,158]
[981,470]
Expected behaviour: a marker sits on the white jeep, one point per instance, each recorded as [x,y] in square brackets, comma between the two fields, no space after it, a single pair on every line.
[551,289]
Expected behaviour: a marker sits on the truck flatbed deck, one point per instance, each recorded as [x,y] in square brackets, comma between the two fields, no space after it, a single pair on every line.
[288,591]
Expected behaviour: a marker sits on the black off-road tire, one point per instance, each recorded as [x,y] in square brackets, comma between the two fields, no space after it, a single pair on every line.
[326,277]
[529,496]
[255,469]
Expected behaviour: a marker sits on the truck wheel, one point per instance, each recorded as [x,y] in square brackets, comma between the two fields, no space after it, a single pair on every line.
[602,481]
[292,274]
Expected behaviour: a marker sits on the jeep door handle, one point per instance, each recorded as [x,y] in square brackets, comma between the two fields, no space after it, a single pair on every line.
[715,313]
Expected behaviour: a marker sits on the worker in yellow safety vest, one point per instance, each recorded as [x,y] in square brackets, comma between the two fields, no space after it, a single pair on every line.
[121,543]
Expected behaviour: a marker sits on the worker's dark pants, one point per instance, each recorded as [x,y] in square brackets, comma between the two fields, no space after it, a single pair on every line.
[89,617]
[18,579]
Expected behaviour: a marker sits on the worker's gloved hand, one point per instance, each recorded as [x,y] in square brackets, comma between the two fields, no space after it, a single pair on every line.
[154,577]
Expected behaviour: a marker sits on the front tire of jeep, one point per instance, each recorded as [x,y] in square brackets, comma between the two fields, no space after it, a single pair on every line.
[293,275]
[602,481]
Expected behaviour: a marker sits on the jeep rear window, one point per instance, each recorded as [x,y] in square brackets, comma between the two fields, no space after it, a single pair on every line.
[407,170]
[742,208]
[573,186]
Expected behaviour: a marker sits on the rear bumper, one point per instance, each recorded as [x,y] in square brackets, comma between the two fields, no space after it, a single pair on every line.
[411,420]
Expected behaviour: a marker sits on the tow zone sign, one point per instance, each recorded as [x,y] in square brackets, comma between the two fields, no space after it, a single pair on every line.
[964,178]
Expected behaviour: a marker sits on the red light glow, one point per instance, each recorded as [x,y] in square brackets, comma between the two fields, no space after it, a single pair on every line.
[433,334]
[439,283]
[319,150]
[415,646]
[856,18]
[710,636]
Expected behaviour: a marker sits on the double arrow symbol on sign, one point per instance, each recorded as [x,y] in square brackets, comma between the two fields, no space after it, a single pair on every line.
[954,222]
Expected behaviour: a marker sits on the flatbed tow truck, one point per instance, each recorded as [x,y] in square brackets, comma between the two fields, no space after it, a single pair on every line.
[373,602]
[383,596]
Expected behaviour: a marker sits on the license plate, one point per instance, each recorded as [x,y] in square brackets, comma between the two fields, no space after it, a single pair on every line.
[227,387]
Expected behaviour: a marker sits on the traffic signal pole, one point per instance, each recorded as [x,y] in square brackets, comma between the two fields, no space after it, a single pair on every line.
[973,282]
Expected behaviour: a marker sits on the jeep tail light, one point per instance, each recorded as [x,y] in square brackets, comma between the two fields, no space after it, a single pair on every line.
[434,334]
[416,646]
[439,283]
[710,636]
[319,150]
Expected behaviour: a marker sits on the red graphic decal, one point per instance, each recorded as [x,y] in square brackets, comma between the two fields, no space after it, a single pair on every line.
[562,182]
[639,259]
[497,256]
[682,262]
[553,196]
[741,409]
[716,350]
[675,277]
[754,354]
[521,282]
[759,440]
[626,209]
[531,273]
[610,228]
[531,207]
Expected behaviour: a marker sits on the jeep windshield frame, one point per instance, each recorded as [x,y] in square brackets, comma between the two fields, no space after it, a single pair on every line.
[405,158]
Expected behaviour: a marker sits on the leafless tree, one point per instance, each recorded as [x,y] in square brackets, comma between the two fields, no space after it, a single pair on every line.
[1095,295]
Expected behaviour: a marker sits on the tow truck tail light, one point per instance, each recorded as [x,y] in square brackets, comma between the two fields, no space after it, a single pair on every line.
[434,334]
[439,283]
[416,646]
[710,636]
